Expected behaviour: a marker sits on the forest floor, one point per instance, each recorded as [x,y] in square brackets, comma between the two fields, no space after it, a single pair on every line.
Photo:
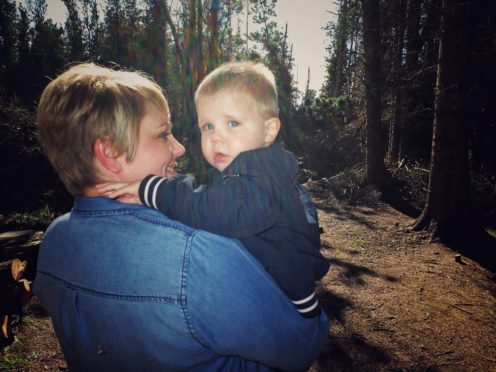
[396,300]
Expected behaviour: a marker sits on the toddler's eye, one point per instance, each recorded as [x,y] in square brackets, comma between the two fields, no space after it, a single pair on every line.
[233,123]
[208,127]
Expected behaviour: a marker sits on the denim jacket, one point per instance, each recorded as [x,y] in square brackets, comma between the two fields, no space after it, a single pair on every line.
[128,289]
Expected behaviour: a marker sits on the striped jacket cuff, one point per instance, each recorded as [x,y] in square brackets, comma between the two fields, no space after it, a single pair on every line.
[148,190]
[308,306]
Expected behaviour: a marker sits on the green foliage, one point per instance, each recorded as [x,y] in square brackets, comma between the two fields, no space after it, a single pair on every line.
[12,362]
[7,40]
[330,133]
[278,56]
[20,320]
[74,31]
[28,179]
[331,113]
[17,357]
[47,45]
[343,58]
[17,131]
[34,220]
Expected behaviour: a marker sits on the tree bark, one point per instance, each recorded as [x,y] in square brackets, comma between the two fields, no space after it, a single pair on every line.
[190,60]
[448,211]
[341,49]
[399,9]
[376,171]
[213,44]
[410,91]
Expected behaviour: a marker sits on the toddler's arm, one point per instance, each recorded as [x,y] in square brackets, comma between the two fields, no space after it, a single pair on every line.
[123,191]
[241,207]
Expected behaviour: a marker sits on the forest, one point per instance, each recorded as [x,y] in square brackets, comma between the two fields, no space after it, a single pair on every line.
[406,114]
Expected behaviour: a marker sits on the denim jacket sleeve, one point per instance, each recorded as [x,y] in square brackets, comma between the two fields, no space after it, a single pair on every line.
[235,308]
[239,207]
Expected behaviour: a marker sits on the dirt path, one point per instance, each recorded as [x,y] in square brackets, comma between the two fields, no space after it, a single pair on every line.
[396,301]
[399,302]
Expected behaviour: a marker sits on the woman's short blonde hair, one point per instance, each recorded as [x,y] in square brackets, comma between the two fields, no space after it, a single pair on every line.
[251,78]
[89,102]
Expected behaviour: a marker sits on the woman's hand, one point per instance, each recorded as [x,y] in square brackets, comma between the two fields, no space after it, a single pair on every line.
[125,192]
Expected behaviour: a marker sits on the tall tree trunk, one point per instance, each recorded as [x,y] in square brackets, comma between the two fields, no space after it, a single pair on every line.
[399,9]
[191,77]
[341,49]
[353,51]
[190,59]
[448,210]
[213,43]
[158,41]
[413,45]
[198,72]
[376,172]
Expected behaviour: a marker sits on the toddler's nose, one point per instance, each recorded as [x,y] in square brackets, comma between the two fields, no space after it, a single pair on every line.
[217,136]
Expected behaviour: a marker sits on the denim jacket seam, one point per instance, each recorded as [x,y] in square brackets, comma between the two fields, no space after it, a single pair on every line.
[184,287]
[133,212]
[130,298]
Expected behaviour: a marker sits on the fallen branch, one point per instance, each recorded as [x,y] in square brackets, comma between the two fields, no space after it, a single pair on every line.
[459,308]
[443,353]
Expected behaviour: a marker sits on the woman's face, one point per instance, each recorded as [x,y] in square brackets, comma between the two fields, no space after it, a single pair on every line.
[157,149]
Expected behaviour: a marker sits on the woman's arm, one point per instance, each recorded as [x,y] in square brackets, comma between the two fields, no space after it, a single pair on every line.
[235,308]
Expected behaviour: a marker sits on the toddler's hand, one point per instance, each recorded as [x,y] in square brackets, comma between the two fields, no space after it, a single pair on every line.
[125,192]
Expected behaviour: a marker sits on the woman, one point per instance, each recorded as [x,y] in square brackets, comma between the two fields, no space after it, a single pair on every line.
[127,288]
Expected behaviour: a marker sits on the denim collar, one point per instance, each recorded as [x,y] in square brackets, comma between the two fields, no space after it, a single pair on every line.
[82,203]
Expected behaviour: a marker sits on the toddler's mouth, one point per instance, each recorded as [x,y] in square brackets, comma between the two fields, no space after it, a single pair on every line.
[219,157]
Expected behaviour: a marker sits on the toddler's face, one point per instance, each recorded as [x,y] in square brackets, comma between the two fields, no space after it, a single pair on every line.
[230,123]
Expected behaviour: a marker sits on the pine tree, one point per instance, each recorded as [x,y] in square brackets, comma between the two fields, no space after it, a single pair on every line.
[74,31]
[376,172]
[448,210]
[8,15]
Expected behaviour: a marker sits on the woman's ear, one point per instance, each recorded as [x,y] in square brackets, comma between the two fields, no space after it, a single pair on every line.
[272,127]
[106,155]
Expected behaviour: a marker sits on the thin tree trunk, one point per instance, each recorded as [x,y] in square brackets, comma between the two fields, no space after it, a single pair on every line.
[179,52]
[188,59]
[376,172]
[213,44]
[413,45]
[395,128]
[340,50]
[198,63]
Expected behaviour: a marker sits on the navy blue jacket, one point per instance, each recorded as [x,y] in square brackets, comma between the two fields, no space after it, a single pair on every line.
[256,199]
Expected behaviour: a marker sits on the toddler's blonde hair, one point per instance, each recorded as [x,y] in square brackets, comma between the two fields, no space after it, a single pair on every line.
[251,78]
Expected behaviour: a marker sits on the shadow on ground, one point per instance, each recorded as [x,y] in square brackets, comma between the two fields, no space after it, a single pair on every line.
[392,196]
[351,353]
[482,249]
[348,213]
[352,274]
[346,350]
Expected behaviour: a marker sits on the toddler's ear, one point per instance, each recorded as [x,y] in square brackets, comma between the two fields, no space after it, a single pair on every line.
[106,155]
[272,127]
